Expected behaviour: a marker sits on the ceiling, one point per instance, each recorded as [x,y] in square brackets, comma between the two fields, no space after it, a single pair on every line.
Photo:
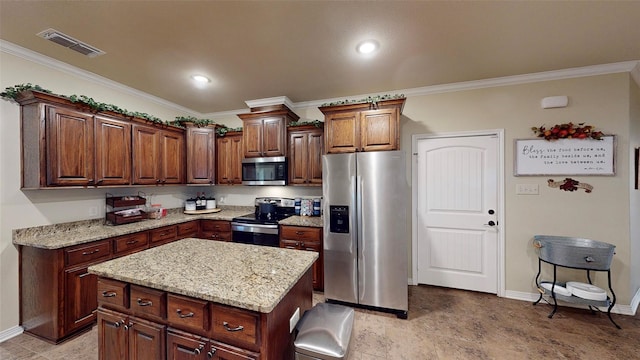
[305,50]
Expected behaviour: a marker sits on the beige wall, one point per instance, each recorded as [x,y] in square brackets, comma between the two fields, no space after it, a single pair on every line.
[634,212]
[603,101]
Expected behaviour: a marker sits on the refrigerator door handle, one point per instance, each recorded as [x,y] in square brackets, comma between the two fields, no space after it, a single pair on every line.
[359,241]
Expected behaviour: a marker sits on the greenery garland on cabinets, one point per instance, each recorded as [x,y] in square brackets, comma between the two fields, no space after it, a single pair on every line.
[370,99]
[223,130]
[316,123]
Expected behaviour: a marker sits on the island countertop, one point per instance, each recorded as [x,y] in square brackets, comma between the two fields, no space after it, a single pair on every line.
[246,276]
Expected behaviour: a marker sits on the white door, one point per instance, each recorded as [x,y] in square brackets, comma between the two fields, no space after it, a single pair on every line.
[457,232]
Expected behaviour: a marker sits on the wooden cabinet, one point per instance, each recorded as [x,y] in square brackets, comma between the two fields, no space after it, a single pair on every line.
[215,230]
[113,151]
[363,127]
[229,158]
[306,145]
[128,244]
[201,155]
[265,130]
[81,301]
[158,156]
[307,239]
[188,229]
[163,235]
[124,337]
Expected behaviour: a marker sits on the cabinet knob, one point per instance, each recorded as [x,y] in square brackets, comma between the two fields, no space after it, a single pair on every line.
[198,349]
[302,244]
[157,181]
[211,353]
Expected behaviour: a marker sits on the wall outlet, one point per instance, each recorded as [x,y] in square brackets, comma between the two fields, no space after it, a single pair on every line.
[294,320]
[93,211]
[527,189]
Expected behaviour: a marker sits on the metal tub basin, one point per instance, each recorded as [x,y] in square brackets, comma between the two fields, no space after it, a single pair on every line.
[574,252]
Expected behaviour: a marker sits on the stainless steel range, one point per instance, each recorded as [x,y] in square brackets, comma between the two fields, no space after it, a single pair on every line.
[261,226]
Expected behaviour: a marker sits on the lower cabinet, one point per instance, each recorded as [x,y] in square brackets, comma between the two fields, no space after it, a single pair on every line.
[308,239]
[124,337]
[215,230]
[186,346]
[81,302]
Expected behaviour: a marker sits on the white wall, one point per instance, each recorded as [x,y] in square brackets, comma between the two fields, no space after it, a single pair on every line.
[603,215]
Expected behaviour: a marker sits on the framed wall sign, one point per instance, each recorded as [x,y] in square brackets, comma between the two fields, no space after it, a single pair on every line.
[565,156]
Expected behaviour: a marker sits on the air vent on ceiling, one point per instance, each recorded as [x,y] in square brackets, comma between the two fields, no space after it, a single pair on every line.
[71,43]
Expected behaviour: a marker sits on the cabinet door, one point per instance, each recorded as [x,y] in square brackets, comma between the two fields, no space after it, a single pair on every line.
[112,338]
[252,137]
[230,152]
[80,298]
[342,132]
[147,340]
[318,268]
[273,136]
[201,158]
[146,155]
[70,147]
[113,152]
[298,154]
[172,158]
[378,130]
[314,155]
[184,346]
[222,351]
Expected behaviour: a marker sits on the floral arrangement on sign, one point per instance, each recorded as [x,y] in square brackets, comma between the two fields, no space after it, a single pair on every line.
[568,131]
[569,184]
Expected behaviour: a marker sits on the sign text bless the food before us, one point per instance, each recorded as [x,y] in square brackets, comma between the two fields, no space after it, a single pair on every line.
[565,157]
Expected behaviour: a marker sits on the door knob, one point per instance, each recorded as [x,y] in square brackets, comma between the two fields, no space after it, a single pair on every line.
[491,223]
[491,212]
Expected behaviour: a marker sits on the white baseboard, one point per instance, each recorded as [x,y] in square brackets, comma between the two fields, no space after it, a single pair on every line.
[10,332]
[617,309]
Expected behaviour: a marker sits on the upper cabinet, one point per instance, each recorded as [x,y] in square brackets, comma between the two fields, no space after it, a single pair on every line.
[69,145]
[229,169]
[362,127]
[265,131]
[158,155]
[306,145]
[201,154]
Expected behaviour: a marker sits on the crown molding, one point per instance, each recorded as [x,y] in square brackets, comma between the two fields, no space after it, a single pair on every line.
[19,51]
[626,66]
[632,67]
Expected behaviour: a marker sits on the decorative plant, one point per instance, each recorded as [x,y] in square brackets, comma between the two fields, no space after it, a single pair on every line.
[568,131]
[316,123]
[13,91]
[223,130]
[180,120]
[371,100]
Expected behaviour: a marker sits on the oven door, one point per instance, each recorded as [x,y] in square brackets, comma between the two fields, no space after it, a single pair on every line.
[256,234]
[264,171]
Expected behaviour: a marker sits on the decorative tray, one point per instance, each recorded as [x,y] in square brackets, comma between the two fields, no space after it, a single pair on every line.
[199,212]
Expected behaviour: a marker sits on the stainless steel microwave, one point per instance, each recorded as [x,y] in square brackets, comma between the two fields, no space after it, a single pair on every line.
[265,171]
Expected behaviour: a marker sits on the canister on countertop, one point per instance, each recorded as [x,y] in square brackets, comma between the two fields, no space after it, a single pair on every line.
[306,207]
[316,207]
[211,203]
[297,202]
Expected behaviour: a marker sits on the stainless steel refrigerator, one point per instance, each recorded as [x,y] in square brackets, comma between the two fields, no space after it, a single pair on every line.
[365,197]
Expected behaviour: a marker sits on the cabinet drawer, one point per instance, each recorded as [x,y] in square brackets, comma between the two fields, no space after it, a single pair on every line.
[163,234]
[219,236]
[235,326]
[114,293]
[87,252]
[188,229]
[183,312]
[150,302]
[301,233]
[216,225]
[130,243]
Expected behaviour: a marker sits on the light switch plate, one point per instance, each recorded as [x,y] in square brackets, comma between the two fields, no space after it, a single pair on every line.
[527,189]
[293,321]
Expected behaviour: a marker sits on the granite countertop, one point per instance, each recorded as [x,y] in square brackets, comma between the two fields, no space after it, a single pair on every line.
[246,276]
[58,236]
[311,221]
[67,234]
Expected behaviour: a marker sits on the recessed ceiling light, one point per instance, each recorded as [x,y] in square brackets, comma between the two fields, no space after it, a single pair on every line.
[201,79]
[367,47]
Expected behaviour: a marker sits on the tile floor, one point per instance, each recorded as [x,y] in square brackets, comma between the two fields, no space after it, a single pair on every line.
[443,324]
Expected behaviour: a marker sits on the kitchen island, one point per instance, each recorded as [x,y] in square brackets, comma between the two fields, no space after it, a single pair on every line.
[199,299]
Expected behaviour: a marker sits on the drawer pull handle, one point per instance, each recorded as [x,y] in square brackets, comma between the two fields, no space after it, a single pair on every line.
[109,294]
[144,302]
[182,316]
[90,252]
[228,328]
[299,232]
[131,242]
[589,259]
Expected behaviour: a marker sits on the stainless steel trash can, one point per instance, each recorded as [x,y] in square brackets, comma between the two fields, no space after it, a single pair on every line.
[324,333]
